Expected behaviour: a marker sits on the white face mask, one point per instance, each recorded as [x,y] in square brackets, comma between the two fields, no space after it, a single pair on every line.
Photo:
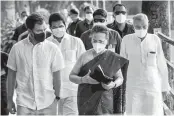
[99,23]
[89,17]
[98,47]
[59,32]
[141,33]
[121,18]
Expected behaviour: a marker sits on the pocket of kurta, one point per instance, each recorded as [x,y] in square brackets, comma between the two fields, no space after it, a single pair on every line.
[151,58]
[70,55]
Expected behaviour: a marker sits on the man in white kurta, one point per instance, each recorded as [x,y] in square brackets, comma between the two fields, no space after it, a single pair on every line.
[71,48]
[147,72]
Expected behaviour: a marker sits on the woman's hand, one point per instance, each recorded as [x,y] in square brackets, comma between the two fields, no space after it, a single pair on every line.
[109,86]
[88,79]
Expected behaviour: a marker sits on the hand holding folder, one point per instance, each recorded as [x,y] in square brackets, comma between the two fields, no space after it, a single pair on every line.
[99,75]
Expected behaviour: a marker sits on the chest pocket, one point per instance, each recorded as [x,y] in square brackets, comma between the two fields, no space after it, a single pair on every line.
[151,58]
[70,55]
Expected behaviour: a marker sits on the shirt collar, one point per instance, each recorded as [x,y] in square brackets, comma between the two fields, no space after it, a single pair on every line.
[86,24]
[66,36]
[116,26]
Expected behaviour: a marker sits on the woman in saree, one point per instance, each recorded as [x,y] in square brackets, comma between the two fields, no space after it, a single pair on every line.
[98,72]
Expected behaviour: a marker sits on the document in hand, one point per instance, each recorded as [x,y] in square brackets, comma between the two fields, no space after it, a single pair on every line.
[99,75]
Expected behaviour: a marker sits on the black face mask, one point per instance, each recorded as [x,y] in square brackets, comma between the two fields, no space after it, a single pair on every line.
[39,37]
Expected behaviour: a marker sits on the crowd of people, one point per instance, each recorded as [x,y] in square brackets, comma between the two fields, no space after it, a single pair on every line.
[88,67]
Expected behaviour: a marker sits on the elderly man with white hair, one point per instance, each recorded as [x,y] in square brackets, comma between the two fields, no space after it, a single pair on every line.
[147,76]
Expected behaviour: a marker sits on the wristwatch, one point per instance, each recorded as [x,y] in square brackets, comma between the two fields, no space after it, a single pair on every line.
[57,97]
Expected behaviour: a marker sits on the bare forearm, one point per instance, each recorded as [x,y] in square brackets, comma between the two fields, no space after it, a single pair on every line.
[119,79]
[75,79]
[57,83]
[11,79]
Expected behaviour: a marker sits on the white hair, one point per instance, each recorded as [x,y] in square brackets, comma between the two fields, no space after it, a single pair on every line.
[141,17]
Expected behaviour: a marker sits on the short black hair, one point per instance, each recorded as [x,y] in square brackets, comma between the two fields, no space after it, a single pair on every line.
[33,19]
[56,17]
[74,11]
[101,12]
[88,7]
[118,5]
[100,29]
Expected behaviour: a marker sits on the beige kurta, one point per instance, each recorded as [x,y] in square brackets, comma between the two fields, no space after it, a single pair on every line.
[71,48]
[147,74]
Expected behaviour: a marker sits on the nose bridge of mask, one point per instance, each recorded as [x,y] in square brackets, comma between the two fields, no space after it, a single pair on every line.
[60,29]
[99,23]
[89,16]
[121,18]
[141,32]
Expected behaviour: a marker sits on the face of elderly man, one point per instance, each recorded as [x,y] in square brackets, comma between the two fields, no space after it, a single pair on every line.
[140,22]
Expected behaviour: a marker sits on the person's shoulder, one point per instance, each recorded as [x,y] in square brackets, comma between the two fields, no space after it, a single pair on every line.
[86,32]
[20,44]
[130,25]
[113,31]
[49,38]
[154,37]
[78,40]
[80,22]
[87,53]
[20,26]
[110,25]
[79,19]
[129,36]
[113,54]
[50,44]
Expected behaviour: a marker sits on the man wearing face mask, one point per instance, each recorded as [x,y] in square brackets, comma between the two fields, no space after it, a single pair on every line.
[74,14]
[147,73]
[45,14]
[22,18]
[21,28]
[71,48]
[87,23]
[114,41]
[34,64]
[120,24]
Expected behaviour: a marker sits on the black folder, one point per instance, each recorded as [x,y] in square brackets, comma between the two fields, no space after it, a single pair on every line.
[100,76]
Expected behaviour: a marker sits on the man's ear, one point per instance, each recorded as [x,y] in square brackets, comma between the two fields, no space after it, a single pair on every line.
[113,15]
[29,30]
[50,28]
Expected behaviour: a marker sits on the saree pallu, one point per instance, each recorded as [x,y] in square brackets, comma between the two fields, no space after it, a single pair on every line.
[94,99]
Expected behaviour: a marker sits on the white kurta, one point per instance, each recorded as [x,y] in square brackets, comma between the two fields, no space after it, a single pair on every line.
[147,74]
[71,48]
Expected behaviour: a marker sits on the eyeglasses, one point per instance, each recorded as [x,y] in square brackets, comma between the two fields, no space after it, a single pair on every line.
[120,12]
[99,20]
[97,41]
[140,27]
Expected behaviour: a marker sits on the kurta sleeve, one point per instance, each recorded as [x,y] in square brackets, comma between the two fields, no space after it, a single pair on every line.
[123,52]
[117,47]
[77,30]
[12,63]
[81,48]
[162,66]
[58,61]
[78,65]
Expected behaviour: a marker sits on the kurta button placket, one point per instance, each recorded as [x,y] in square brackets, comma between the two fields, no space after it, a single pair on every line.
[35,72]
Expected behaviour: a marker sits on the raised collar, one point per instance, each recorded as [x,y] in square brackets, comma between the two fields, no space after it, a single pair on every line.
[116,27]
[86,24]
